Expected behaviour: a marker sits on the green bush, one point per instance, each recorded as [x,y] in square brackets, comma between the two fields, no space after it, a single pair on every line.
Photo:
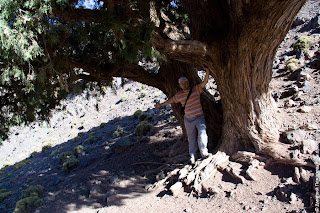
[143,128]
[30,199]
[292,64]
[33,154]
[4,194]
[78,149]
[21,164]
[303,43]
[142,95]
[124,97]
[76,138]
[64,156]
[92,137]
[35,190]
[70,164]
[28,204]
[119,132]
[46,147]
[102,125]
[145,117]
[137,113]
[69,160]
[173,119]
[3,170]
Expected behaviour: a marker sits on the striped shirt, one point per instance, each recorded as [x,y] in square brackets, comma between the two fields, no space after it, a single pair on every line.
[193,107]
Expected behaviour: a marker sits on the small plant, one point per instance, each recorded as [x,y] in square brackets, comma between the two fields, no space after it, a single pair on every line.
[142,95]
[46,147]
[102,125]
[303,43]
[4,194]
[292,64]
[137,113]
[31,199]
[8,163]
[119,132]
[158,94]
[33,154]
[143,128]
[124,97]
[173,119]
[54,152]
[145,117]
[70,164]
[78,149]
[64,156]
[21,164]
[76,139]
[35,190]
[68,161]
[92,138]
[2,170]
[28,204]
[143,86]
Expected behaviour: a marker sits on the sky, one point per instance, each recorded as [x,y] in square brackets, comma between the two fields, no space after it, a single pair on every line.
[90,4]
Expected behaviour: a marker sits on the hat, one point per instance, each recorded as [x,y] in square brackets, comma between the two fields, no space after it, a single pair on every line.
[182,79]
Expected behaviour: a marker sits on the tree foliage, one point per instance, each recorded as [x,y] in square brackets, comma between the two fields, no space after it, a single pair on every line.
[47,46]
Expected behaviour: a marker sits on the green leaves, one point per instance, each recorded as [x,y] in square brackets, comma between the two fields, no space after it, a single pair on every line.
[38,51]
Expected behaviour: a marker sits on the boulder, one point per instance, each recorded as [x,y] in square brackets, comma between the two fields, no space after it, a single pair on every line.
[309,146]
[295,136]
[176,188]
[305,109]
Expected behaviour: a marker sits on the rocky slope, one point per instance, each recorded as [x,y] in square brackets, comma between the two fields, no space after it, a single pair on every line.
[112,167]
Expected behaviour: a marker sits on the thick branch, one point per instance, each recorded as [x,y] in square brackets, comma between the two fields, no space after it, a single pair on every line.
[180,50]
[130,71]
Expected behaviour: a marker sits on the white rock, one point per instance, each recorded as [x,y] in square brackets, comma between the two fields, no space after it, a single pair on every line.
[305,109]
[309,146]
[176,188]
[293,198]
[295,136]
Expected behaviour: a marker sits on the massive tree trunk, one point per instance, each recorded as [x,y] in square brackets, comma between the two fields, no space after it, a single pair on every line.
[238,40]
[250,115]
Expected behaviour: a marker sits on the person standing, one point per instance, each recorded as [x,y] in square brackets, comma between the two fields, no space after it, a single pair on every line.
[194,120]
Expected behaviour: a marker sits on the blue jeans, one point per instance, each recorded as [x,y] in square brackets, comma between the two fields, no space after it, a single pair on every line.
[197,135]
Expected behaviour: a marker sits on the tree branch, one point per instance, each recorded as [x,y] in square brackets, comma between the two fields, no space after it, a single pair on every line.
[180,49]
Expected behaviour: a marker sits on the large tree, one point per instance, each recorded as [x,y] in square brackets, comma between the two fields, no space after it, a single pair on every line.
[48,47]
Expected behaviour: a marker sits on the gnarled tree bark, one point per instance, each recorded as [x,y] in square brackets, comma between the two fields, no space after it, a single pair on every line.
[237,40]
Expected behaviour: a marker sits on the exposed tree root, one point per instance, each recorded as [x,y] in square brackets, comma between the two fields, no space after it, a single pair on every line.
[194,176]
[280,154]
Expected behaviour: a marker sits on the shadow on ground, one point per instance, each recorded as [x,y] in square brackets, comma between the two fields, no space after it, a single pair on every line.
[101,177]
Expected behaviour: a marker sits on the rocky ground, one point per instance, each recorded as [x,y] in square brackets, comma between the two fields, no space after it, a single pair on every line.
[113,167]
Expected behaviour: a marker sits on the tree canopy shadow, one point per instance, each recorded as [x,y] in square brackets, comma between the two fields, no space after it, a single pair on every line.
[103,175]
